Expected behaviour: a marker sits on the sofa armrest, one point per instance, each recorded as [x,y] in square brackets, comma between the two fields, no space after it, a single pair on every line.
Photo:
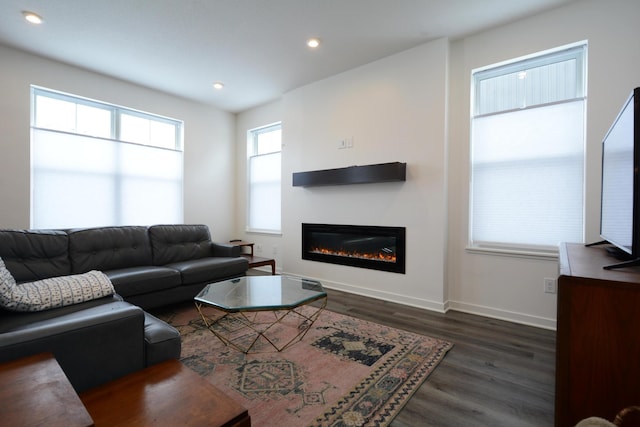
[162,341]
[225,249]
[93,345]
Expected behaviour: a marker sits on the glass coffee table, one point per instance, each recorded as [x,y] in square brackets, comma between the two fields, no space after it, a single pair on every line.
[252,313]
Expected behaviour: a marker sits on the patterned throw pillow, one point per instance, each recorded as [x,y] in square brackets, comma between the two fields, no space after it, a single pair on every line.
[53,292]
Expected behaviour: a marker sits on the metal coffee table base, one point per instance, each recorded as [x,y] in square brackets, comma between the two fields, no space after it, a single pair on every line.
[243,330]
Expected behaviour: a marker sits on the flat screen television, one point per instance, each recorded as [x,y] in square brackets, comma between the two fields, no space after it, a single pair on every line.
[620,201]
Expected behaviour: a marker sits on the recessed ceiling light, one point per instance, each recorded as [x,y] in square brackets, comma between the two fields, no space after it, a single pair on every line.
[313,42]
[218,85]
[34,18]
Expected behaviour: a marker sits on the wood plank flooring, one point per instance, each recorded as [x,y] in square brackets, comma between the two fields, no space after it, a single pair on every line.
[497,374]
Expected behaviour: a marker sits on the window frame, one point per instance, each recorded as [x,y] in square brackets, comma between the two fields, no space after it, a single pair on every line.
[253,151]
[115,110]
[576,51]
[117,213]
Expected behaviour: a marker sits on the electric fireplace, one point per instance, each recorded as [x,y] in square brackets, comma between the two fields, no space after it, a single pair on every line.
[373,247]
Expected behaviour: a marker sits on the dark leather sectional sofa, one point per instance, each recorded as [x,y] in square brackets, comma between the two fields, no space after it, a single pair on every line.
[100,340]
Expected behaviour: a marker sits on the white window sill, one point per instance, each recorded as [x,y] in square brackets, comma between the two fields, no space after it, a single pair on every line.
[267,232]
[543,254]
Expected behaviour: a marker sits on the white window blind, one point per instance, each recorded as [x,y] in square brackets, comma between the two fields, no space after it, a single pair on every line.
[528,153]
[82,180]
[264,166]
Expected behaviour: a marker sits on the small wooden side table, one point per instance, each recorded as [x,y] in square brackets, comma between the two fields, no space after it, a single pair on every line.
[164,395]
[36,392]
[243,244]
[255,261]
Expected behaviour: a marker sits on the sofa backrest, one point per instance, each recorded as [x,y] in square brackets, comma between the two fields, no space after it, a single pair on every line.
[35,254]
[175,243]
[108,248]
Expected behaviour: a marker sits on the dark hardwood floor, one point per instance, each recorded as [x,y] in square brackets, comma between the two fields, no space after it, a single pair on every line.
[497,374]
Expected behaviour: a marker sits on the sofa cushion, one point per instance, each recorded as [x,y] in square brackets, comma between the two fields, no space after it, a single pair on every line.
[35,254]
[175,243]
[143,280]
[53,292]
[210,269]
[108,248]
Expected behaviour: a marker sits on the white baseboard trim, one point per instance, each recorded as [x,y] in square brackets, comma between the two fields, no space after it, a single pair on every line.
[510,316]
[479,310]
[385,296]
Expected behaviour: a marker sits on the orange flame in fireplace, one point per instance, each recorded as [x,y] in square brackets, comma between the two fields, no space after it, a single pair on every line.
[380,256]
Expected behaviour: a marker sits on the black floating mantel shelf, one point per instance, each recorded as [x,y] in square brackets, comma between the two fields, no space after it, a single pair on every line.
[383,172]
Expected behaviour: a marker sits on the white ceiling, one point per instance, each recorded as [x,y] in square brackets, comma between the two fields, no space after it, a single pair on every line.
[255,47]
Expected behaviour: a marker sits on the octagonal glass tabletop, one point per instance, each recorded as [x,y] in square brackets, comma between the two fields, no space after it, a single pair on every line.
[256,293]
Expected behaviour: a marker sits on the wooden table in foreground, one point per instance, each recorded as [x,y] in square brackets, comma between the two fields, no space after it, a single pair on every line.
[36,392]
[166,394]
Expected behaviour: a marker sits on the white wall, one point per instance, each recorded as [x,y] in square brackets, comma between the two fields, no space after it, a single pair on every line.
[394,109]
[509,287]
[209,156]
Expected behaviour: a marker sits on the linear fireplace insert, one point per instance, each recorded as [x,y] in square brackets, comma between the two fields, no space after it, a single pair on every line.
[374,247]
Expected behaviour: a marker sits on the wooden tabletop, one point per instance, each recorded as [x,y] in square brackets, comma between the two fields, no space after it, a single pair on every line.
[36,392]
[166,394]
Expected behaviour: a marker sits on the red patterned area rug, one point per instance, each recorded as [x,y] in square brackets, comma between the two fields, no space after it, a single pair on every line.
[344,371]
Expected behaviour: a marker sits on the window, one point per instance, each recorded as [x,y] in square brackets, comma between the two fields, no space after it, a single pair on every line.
[96,164]
[264,145]
[527,152]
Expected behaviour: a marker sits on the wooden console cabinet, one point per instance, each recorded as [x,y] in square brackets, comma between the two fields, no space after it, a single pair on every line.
[598,336]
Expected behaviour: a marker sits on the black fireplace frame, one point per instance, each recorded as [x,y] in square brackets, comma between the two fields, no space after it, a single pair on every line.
[399,233]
